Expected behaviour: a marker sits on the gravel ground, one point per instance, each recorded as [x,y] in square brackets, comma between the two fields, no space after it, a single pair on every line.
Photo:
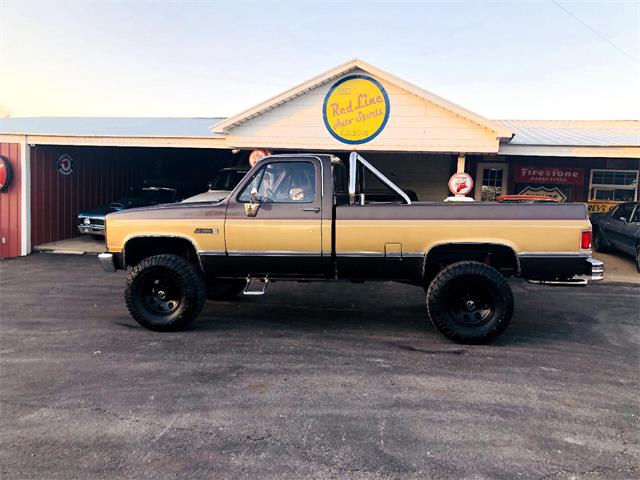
[311,381]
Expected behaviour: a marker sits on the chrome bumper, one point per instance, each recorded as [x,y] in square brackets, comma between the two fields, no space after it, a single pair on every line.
[597,269]
[91,229]
[597,274]
[107,261]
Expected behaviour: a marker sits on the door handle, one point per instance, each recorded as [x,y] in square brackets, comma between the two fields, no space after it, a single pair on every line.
[310,209]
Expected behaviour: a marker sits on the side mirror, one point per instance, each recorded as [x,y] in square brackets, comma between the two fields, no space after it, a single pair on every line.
[624,219]
[251,209]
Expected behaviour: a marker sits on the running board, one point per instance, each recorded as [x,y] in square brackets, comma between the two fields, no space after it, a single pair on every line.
[252,282]
[578,282]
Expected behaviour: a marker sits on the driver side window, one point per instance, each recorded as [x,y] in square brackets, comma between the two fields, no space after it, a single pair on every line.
[283,182]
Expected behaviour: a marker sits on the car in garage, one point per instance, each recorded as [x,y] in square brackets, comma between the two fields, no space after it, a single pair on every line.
[618,229]
[91,221]
[221,187]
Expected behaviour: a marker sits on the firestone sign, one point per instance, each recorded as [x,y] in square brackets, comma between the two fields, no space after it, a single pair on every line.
[356,109]
[550,175]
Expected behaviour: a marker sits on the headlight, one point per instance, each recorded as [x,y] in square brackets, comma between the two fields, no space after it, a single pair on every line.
[86,221]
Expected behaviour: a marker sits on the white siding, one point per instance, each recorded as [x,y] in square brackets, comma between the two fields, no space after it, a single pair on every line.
[414,125]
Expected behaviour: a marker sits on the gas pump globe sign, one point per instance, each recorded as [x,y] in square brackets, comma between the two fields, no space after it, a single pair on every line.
[356,109]
[460,184]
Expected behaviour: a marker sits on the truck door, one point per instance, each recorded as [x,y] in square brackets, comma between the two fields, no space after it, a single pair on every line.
[274,222]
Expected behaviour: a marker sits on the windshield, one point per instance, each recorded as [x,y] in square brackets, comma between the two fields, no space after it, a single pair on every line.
[227,180]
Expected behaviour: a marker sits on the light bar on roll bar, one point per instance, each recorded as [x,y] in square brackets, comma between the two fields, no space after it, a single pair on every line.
[354,158]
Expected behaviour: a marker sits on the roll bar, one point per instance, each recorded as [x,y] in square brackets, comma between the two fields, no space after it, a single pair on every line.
[354,159]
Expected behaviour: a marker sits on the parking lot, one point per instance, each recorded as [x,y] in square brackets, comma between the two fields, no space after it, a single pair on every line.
[311,381]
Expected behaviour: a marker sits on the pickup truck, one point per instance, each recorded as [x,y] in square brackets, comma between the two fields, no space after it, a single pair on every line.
[306,217]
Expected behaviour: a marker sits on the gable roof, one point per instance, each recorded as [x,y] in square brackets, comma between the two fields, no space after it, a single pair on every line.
[357,64]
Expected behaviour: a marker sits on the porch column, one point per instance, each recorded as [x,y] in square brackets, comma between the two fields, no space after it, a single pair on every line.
[461,162]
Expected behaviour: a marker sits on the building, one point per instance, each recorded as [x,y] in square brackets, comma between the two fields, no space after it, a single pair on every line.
[62,165]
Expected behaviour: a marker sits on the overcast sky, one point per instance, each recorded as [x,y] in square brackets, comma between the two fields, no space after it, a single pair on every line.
[518,60]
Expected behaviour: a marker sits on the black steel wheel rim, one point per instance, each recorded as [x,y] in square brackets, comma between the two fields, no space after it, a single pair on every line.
[471,304]
[160,292]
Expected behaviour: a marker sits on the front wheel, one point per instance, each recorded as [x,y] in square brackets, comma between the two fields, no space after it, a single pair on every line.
[470,302]
[165,292]
[638,258]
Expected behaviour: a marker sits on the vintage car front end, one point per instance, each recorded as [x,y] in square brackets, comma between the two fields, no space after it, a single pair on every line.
[91,223]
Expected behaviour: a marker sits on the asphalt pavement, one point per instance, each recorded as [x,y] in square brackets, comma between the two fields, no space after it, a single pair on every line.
[311,381]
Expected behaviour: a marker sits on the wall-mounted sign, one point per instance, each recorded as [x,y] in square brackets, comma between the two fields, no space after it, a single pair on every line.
[6,174]
[600,206]
[552,192]
[550,175]
[258,154]
[65,165]
[356,109]
[460,184]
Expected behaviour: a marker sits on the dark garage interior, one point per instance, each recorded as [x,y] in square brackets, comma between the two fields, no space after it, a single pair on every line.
[99,175]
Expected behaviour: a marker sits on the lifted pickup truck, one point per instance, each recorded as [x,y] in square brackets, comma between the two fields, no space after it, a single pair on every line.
[307,217]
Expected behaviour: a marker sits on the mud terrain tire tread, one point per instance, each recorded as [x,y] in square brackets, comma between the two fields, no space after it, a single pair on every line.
[470,271]
[193,293]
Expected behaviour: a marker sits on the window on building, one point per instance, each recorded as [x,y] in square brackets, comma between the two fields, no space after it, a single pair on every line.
[491,183]
[614,185]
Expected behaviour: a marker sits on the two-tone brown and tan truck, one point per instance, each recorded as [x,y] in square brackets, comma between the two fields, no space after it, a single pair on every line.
[308,217]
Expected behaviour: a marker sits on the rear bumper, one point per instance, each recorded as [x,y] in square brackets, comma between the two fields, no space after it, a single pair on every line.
[560,267]
[597,269]
[111,262]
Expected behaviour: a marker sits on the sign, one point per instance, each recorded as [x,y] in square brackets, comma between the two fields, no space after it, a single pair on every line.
[552,192]
[600,206]
[65,165]
[6,174]
[460,184]
[550,175]
[356,109]
[256,155]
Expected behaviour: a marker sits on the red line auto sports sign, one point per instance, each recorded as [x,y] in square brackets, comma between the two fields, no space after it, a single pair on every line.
[550,175]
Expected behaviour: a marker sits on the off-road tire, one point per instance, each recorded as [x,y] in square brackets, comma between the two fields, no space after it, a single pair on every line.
[187,287]
[224,290]
[598,242]
[447,290]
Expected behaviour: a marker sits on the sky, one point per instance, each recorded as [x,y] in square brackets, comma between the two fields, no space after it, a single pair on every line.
[504,60]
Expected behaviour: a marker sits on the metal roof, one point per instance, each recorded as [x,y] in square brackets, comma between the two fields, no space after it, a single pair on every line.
[109,126]
[601,133]
[607,133]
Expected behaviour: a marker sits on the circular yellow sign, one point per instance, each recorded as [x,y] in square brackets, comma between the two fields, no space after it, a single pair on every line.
[356,109]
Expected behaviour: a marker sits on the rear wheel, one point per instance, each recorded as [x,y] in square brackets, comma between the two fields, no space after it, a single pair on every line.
[165,292]
[598,242]
[638,258]
[220,290]
[470,302]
